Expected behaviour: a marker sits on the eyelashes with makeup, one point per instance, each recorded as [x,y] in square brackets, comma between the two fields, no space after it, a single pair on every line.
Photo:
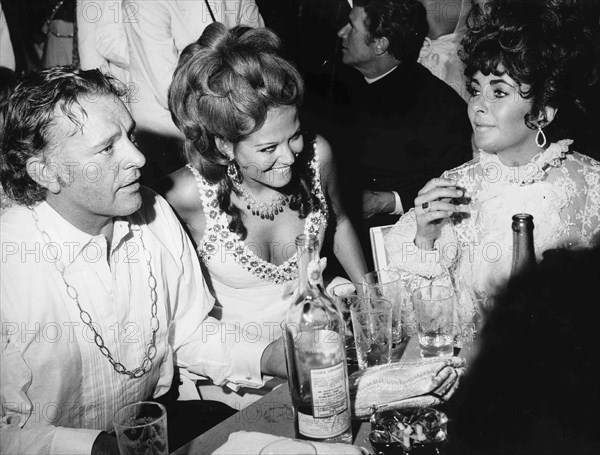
[498,94]
[272,148]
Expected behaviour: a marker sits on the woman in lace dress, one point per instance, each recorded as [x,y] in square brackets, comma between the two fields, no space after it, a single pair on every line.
[525,70]
[254,180]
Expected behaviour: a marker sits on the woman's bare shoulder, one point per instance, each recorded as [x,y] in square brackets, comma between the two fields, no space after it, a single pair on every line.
[327,165]
[323,150]
[180,189]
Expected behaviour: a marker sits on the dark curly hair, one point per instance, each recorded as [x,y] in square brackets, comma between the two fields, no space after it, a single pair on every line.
[532,42]
[28,129]
[402,22]
[223,88]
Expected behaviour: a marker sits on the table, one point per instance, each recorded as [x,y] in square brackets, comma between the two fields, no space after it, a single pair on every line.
[274,414]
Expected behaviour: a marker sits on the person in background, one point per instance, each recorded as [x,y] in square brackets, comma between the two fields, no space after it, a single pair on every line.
[534,375]
[7,54]
[255,180]
[395,124]
[25,21]
[447,21]
[157,32]
[526,69]
[102,292]
[60,46]
[308,30]
[8,82]
[101,38]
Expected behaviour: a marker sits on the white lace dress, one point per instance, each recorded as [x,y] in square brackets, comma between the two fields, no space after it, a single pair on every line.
[561,189]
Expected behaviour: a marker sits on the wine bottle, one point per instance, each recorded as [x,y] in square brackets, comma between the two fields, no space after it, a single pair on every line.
[523,258]
[315,355]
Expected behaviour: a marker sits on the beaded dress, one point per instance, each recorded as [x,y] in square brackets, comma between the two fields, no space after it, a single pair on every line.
[250,291]
[561,189]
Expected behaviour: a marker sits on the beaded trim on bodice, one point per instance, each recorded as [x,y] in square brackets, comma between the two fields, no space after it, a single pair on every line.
[217,233]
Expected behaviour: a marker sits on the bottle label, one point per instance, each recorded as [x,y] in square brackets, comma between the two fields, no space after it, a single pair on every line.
[313,273]
[331,414]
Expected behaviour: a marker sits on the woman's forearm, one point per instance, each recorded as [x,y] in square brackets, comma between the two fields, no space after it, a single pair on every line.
[348,251]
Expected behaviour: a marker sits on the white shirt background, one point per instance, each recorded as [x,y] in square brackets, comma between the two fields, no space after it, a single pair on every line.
[157,32]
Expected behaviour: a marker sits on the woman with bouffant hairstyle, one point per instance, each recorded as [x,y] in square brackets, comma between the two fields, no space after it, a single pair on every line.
[527,69]
[255,180]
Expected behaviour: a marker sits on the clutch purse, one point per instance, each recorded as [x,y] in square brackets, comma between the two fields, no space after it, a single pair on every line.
[421,383]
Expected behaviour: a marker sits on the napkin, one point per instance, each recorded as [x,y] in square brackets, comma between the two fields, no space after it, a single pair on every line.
[251,442]
[426,382]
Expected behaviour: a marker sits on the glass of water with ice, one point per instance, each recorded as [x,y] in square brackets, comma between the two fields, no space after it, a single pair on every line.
[434,312]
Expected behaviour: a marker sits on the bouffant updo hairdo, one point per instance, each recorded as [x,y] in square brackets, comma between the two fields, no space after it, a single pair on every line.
[224,85]
[532,43]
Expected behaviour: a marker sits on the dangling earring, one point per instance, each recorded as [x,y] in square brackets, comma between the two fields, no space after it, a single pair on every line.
[541,143]
[233,173]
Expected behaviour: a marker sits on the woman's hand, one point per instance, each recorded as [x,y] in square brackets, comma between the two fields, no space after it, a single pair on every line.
[432,205]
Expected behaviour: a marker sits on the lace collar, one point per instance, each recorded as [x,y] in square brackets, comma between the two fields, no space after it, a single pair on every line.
[534,171]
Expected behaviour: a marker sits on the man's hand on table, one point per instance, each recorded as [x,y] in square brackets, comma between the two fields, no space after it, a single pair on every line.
[272,361]
[376,202]
[105,444]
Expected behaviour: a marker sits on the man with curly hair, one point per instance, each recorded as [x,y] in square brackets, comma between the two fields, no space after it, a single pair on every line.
[102,292]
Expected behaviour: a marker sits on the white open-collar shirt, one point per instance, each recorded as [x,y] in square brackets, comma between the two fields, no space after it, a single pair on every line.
[58,391]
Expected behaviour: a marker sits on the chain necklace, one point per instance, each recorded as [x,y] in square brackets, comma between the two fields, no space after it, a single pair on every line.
[266,210]
[87,319]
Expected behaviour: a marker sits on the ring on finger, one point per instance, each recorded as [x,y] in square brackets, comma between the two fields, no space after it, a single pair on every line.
[426,207]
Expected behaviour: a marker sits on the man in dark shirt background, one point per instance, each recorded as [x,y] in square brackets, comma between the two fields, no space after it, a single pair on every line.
[395,125]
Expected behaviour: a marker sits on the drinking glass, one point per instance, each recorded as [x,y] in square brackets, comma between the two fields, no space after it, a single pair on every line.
[345,295]
[141,429]
[434,312]
[372,323]
[288,446]
[385,284]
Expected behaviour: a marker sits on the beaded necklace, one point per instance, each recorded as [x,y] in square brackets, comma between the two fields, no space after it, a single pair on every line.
[266,210]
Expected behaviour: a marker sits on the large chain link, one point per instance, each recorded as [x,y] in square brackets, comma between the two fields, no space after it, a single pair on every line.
[87,319]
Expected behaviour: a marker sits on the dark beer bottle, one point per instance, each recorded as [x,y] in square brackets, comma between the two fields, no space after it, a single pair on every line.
[523,259]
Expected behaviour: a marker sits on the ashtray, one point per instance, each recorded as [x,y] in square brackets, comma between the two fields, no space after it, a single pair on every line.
[414,431]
